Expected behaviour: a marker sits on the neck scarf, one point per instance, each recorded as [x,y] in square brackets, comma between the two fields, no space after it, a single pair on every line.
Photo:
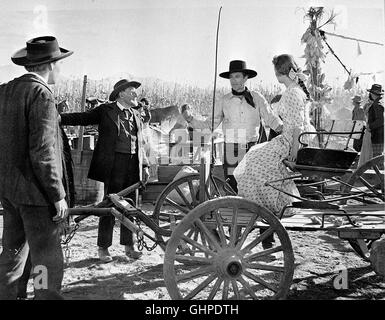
[246,93]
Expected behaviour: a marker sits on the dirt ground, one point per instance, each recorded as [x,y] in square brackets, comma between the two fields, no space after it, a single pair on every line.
[318,255]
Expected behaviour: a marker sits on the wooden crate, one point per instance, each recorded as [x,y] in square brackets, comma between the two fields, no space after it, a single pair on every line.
[87,191]
[153,189]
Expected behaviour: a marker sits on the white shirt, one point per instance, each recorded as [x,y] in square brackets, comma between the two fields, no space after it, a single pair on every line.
[122,107]
[240,121]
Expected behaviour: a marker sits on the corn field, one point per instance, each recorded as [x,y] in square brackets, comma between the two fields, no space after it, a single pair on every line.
[163,94]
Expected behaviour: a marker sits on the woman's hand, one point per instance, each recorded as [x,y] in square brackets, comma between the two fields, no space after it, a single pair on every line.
[292,157]
[146,175]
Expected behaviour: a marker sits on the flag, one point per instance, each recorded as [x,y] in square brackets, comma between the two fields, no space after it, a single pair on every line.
[359,52]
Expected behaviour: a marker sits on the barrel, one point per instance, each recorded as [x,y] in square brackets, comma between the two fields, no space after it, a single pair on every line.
[87,191]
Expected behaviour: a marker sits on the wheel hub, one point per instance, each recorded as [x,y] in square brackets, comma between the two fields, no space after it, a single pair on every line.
[234,269]
[229,264]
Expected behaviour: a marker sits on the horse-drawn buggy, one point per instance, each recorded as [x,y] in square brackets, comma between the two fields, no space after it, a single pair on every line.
[211,237]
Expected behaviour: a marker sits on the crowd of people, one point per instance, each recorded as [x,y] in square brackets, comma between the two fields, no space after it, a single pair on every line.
[35,184]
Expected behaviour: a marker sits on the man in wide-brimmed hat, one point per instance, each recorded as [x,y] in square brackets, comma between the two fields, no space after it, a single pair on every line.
[375,121]
[240,113]
[118,158]
[31,172]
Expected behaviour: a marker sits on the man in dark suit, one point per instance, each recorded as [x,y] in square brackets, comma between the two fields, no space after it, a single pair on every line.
[31,172]
[119,156]
[376,119]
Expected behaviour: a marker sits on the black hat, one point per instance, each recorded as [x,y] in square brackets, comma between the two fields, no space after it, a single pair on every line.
[122,85]
[376,89]
[238,66]
[40,50]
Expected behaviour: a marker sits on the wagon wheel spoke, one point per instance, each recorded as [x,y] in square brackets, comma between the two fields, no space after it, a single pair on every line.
[197,245]
[371,188]
[263,253]
[209,235]
[201,271]
[204,242]
[225,292]
[215,289]
[193,260]
[261,281]
[380,177]
[221,231]
[216,188]
[262,266]
[192,193]
[247,231]
[200,287]
[188,204]
[234,228]
[257,240]
[247,287]
[176,205]
[236,289]
[191,231]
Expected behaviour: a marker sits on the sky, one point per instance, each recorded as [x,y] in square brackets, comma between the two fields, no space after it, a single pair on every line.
[174,40]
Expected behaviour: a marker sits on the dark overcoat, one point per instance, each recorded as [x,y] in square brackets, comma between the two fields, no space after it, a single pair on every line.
[106,116]
[31,169]
[376,121]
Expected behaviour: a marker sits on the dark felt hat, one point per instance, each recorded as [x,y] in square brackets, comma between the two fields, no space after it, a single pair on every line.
[376,89]
[40,50]
[122,85]
[238,66]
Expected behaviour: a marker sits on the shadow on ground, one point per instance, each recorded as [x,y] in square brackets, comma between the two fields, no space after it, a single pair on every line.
[115,286]
[363,284]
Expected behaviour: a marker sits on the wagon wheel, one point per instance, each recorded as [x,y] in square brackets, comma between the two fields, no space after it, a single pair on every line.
[232,264]
[369,177]
[168,212]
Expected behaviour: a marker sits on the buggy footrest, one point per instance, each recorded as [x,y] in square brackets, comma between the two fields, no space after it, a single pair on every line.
[312,204]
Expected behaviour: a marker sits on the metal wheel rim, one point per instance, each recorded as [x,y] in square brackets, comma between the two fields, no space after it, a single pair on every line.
[162,197]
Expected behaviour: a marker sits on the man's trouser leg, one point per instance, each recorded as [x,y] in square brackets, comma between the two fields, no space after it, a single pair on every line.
[14,254]
[34,225]
[124,173]
[23,281]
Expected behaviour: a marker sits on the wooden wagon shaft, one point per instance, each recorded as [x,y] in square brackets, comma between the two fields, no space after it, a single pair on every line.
[89,211]
[127,222]
[131,210]
[107,211]
[107,202]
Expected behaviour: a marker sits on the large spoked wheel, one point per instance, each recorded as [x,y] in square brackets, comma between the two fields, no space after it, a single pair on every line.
[228,261]
[180,197]
[367,179]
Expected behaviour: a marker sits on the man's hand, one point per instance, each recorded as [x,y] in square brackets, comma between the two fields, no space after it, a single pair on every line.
[61,211]
[146,175]
[144,103]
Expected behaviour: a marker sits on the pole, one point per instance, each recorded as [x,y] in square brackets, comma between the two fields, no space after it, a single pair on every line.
[82,109]
[215,87]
